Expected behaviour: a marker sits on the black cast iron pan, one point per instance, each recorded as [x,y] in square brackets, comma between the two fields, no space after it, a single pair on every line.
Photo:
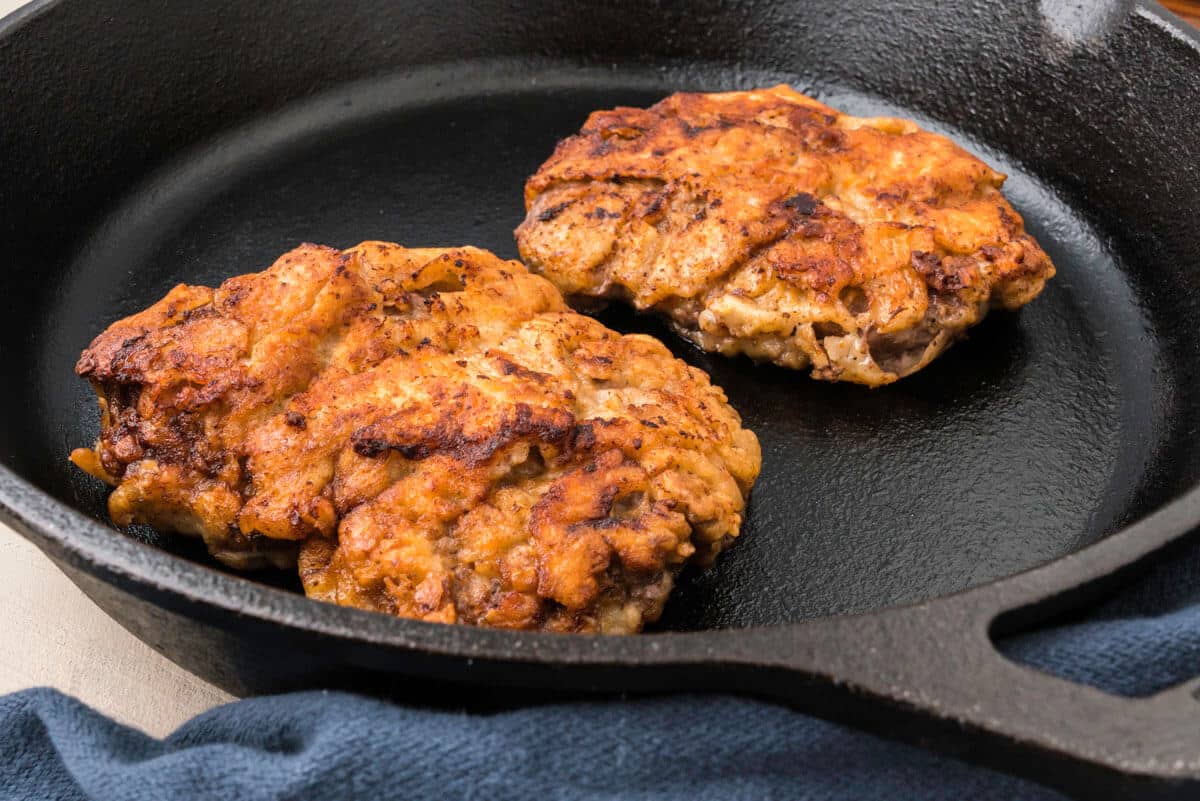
[893,532]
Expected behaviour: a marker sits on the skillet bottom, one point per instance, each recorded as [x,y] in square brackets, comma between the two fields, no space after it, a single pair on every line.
[1040,434]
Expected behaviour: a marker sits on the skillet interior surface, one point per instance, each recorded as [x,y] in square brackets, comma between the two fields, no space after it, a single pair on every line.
[1040,434]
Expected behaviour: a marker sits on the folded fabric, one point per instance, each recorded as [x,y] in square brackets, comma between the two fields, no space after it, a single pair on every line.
[326,746]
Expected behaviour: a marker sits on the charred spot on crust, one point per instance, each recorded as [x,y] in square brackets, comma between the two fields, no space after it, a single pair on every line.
[583,437]
[201,313]
[802,203]
[237,294]
[546,215]
[449,436]
[652,203]
[926,263]
[941,274]
[370,448]
[508,367]
[119,366]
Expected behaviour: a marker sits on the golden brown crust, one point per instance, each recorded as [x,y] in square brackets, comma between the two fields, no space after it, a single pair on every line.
[433,430]
[769,224]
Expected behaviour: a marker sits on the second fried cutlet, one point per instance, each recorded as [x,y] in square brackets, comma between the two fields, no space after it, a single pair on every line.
[769,224]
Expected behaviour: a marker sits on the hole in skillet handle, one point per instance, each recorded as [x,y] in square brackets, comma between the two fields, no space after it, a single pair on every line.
[1136,641]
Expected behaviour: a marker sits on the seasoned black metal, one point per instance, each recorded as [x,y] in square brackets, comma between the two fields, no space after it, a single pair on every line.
[145,144]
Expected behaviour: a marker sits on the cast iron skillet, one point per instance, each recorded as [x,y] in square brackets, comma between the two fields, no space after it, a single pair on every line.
[893,532]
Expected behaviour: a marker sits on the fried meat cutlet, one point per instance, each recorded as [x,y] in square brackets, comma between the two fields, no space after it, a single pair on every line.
[769,224]
[433,432]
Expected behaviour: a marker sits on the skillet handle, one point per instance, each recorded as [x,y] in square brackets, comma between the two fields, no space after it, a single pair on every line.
[930,675]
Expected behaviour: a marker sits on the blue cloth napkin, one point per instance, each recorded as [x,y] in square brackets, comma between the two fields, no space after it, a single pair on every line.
[326,746]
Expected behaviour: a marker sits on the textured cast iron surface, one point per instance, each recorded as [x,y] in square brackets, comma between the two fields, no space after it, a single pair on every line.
[186,143]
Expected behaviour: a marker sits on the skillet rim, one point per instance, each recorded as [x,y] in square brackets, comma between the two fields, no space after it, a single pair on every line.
[65,534]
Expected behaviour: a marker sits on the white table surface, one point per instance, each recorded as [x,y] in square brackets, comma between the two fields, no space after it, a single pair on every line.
[56,637]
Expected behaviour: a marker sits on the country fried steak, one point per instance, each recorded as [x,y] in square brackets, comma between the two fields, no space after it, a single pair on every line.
[769,224]
[431,433]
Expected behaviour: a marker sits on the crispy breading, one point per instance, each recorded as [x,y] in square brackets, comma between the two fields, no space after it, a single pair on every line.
[769,224]
[434,430]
